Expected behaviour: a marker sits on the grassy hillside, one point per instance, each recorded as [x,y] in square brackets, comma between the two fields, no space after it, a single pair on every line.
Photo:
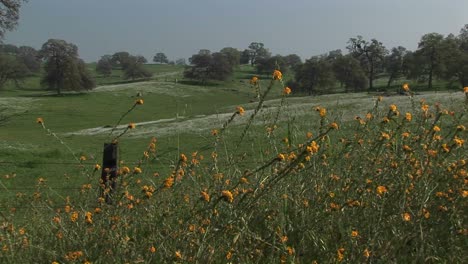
[340,177]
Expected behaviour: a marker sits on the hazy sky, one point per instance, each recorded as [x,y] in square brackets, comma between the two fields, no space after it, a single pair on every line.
[180,28]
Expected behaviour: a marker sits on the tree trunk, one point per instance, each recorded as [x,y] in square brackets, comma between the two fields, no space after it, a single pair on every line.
[390,80]
[429,85]
[431,70]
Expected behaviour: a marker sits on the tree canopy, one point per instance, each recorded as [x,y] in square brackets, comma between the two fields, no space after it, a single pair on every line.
[370,54]
[104,65]
[11,69]
[257,50]
[64,70]
[206,66]
[9,15]
[160,58]
[133,68]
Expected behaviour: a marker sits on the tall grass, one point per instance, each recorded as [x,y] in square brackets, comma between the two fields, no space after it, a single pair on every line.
[389,186]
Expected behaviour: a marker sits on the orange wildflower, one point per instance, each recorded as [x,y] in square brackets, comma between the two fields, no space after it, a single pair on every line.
[408,117]
[406,217]
[334,126]
[205,196]
[168,182]
[227,195]
[240,110]
[340,254]
[381,190]
[152,249]
[254,80]
[277,75]
[406,87]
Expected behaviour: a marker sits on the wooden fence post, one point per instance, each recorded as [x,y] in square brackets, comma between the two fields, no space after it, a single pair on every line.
[109,171]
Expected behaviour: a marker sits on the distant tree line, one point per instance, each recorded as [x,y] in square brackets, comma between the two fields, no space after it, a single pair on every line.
[440,57]
[444,58]
[437,57]
[132,66]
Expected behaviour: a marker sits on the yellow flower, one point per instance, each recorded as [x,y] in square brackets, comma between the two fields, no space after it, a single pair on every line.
[277,75]
[445,148]
[290,251]
[309,135]
[458,141]
[39,120]
[240,110]
[465,89]
[227,195]
[131,126]
[137,170]
[214,132]
[322,111]
[254,80]
[408,117]
[334,125]
[464,193]
[313,147]
[229,255]
[366,253]
[139,102]
[436,129]
[281,157]
[74,216]
[168,182]
[286,90]
[426,213]
[205,196]
[385,135]
[82,158]
[461,128]
[354,233]
[97,167]
[89,217]
[381,190]
[406,217]
[125,170]
[152,249]
[425,107]
[432,153]
[393,108]
[406,87]
[284,239]
[178,255]
[340,254]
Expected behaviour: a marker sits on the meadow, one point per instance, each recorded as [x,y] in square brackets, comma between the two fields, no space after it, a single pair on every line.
[210,173]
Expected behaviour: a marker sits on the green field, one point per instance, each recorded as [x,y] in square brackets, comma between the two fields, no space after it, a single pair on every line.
[329,207]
